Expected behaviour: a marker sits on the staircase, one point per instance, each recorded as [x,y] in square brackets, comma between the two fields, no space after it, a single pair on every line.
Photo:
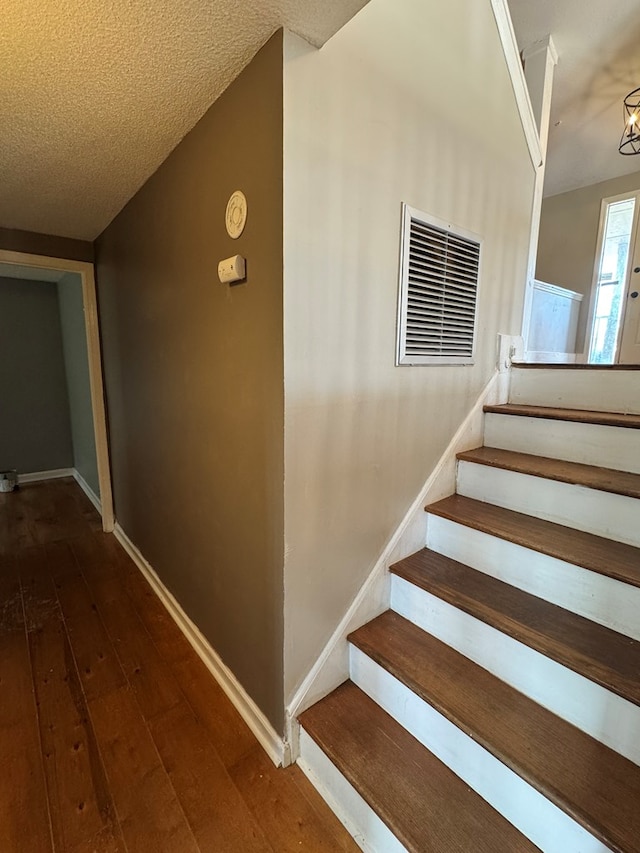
[496,705]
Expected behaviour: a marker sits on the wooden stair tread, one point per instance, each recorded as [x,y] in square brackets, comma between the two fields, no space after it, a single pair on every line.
[585,416]
[554,365]
[427,807]
[598,653]
[595,553]
[589,476]
[592,783]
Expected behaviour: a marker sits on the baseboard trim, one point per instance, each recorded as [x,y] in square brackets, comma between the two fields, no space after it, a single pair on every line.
[274,745]
[38,476]
[86,488]
[332,666]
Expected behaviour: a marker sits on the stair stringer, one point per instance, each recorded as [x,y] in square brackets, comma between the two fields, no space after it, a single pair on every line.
[332,666]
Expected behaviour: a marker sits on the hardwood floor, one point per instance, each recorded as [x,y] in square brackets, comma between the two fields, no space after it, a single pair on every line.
[113,734]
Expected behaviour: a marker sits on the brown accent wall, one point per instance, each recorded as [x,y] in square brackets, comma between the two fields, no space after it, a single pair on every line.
[14,240]
[194,377]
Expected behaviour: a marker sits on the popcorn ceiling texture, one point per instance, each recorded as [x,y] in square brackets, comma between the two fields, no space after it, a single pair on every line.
[94,94]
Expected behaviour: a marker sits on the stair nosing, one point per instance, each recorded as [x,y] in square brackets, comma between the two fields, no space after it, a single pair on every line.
[623,420]
[546,549]
[551,792]
[381,809]
[580,470]
[528,636]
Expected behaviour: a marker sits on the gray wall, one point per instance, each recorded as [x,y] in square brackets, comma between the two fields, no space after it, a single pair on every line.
[76,361]
[35,432]
[194,377]
[568,238]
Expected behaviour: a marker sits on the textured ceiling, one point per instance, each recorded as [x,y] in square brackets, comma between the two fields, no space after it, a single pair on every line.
[599,63]
[94,94]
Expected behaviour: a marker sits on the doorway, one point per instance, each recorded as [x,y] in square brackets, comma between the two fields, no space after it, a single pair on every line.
[88,335]
[615,299]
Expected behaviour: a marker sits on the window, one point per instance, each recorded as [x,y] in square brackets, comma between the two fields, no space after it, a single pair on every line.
[439,270]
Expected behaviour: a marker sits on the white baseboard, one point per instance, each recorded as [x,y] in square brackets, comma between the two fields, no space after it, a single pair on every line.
[86,488]
[53,474]
[274,745]
[332,666]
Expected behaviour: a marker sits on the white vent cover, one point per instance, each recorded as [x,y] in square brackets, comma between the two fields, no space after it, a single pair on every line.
[439,271]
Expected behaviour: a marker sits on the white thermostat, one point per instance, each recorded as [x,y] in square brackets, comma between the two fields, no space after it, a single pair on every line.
[236,215]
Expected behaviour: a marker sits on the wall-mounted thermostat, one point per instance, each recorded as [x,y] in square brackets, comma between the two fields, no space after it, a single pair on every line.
[236,215]
[232,269]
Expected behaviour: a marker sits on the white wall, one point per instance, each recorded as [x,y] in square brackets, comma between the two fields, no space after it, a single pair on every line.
[412,102]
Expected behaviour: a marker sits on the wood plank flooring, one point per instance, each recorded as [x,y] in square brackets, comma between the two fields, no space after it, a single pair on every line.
[114,737]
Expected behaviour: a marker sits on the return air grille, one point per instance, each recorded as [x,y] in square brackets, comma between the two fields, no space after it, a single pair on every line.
[439,271]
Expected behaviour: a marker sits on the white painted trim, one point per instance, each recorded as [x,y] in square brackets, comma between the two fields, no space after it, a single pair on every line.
[52,474]
[545,45]
[566,693]
[87,274]
[597,262]
[556,290]
[369,832]
[332,666]
[548,826]
[86,488]
[276,748]
[518,81]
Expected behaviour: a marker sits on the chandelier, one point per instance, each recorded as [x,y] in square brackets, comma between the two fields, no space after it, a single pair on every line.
[630,141]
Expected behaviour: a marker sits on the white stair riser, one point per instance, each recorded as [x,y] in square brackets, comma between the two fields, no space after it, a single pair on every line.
[604,600]
[590,444]
[598,390]
[520,803]
[369,832]
[571,696]
[590,510]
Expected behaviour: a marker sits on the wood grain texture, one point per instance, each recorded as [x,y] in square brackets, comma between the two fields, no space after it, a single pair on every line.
[581,416]
[539,365]
[427,807]
[80,802]
[24,813]
[595,553]
[113,734]
[589,476]
[598,653]
[595,785]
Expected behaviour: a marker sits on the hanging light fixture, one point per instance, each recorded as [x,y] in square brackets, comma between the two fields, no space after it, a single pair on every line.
[630,141]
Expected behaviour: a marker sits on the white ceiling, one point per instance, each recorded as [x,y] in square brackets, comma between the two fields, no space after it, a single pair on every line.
[94,95]
[599,63]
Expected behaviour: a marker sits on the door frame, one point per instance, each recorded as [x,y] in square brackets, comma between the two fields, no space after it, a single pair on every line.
[584,356]
[87,275]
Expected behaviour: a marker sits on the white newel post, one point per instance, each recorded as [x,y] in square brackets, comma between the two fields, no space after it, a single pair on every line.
[540,60]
